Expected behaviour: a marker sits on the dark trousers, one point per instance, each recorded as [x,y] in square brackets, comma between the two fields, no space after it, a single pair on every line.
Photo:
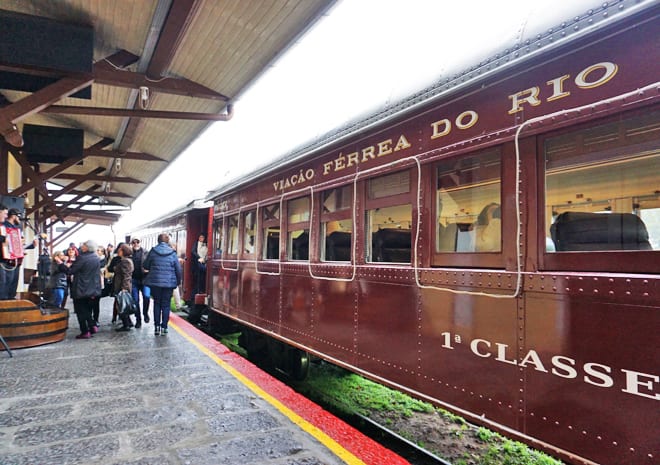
[12,284]
[3,280]
[162,297]
[83,308]
[8,280]
[199,279]
[96,309]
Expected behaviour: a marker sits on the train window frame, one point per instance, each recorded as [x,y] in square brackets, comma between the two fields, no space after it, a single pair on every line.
[636,261]
[336,220]
[483,259]
[218,236]
[271,216]
[249,232]
[299,225]
[231,228]
[374,204]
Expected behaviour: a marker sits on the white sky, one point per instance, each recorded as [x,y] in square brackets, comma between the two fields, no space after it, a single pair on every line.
[361,56]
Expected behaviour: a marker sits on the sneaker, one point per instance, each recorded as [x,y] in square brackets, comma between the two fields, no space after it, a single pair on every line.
[95,329]
[163,331]
[146,318]
[86,335]
[138,325]
[156,331]
[123,328]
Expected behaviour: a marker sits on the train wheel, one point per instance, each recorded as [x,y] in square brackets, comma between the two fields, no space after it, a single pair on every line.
[298,364]
[256,346]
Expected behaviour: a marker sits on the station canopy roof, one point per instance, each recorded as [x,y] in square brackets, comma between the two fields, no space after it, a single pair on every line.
[98,96]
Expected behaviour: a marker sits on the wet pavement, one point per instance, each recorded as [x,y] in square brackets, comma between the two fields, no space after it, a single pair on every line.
[135,398]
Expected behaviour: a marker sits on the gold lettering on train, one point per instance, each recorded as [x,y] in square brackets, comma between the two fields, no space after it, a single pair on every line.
[530,96]
[609,70]
[366,154]
[583,80]
[558,88]
[294,179]
[596,374]
[465,120]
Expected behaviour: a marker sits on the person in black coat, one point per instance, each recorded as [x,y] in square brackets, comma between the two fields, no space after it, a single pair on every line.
[85,287]
[114,262]
[138,285]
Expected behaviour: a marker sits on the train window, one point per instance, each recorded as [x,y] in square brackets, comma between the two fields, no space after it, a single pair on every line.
[250,232]
[389,218]
[601,187]
[468,197]
[180,243]
[337,224]
[217,238]
[232,235]
[298,229]
[270,222]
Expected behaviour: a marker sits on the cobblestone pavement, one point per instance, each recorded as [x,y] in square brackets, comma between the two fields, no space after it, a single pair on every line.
[139,399]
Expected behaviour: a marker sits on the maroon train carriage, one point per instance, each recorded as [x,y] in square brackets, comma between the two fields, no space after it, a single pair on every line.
[490,244]
[184,226]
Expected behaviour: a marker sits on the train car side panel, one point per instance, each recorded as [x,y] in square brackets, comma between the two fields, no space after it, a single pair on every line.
[387,327]
[588,367]
[468,343]
[335,310]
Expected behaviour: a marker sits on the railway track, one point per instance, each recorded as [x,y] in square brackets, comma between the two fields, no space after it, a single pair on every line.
[414,430]
[406,448]
[409,450]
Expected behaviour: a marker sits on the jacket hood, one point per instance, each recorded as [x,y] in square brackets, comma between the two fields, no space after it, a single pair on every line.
[163,249]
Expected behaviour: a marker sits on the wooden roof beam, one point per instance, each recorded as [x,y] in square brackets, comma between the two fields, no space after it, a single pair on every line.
[94,202]
[69,162]
[179,19]
[95,152]
[138,113]
[64,190]
[95,193]
[72,230]
[168,85]
[38,183]
[97,177]
[34,103]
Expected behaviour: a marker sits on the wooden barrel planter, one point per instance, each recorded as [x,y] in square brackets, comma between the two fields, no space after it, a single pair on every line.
[24,324]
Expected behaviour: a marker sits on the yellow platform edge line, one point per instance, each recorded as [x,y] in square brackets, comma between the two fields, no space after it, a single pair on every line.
[303,424]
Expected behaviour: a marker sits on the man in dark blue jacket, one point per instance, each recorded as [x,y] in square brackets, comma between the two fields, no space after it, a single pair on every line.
[163,275]
[85,287]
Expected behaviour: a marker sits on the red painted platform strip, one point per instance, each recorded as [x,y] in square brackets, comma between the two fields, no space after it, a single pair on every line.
[362,447]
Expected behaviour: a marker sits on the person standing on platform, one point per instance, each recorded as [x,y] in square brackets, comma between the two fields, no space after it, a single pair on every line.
[163,275]
[123,281]
[85,287]
[138,283]
[198,253]
[96,311]
[58,280]
[4,263]
[114,262]
[12,267]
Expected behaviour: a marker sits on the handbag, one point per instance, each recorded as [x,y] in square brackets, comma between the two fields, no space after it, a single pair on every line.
[125,304]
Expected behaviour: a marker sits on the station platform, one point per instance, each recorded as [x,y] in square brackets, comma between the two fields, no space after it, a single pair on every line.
[180,399]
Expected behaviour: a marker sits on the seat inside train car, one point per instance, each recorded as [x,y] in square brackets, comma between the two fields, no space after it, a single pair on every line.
[391,245]
[338,247]
[300,247]
[584,231]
